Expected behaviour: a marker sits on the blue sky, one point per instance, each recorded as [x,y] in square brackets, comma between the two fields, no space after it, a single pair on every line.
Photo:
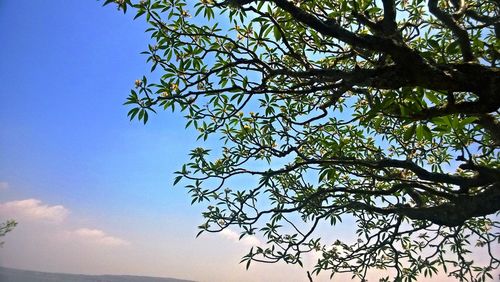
[66,72]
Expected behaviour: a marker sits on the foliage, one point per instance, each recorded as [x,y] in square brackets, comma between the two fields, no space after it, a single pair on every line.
[383,113]
[6,227]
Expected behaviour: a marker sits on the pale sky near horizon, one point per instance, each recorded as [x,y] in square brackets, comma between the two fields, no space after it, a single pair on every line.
[92,192]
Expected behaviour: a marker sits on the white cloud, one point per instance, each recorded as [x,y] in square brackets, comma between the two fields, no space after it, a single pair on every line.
[235,237]
[33,209]
[99,237]
[4,185]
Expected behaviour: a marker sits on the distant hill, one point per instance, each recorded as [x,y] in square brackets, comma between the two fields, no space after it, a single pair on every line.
[17,275]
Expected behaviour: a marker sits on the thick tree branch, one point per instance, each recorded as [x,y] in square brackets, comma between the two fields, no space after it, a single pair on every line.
[389,21]
[486,85]
[468,108]
[458,31]
[399,52]
[453,213]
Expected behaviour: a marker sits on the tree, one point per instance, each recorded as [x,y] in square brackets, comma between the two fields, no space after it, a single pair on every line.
[6,227]
[384,113]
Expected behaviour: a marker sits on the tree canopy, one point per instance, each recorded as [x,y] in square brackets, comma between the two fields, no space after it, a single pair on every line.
[381,113]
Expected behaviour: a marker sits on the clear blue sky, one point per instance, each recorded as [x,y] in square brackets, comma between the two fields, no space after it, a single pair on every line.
[66,68]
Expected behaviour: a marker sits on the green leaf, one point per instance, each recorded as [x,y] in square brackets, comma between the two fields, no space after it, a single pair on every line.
[133,112]
[419,132]
[141,114]
[431,95]
[409,132]
[139,13]
[277,33]
[426,132]
[177,179]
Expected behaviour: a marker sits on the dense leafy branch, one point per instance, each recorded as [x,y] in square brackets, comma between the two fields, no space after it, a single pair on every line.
[384,113]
